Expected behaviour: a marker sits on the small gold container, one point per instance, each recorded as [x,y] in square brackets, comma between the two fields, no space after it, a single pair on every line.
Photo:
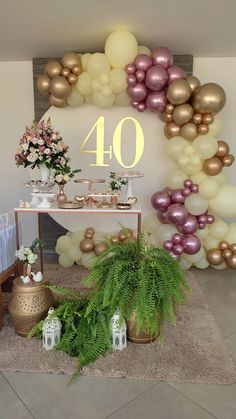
[29,303]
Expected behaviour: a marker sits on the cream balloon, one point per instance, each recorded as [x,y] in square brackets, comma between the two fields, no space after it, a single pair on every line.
[202,264]
[196,257]
[185,265]
[75,98]
[121,48]
[65,261]
[175,179]
[84,84]
[76,237]
[122,99]
[175,147]
[118,80]
[210,243]
[215,127]
[84,60]
[63,243]
[74,253]
[150,223]
[191,169]
[103,101]
[165,232]
[219,230]
[209,188]
[199,177]
[220,178]
[202,234]
[88,260]
[220,267]
[224,204]
[152,240]
[97,64]
[231,236]
[142,49]
[195,204]
[58,250]
[206,146]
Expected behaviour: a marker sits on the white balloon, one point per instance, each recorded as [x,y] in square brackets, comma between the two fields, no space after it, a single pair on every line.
[122,99]
[209,188]
[215,127]
[63,243]
[195,204]
[202,234]
[206,146]
[74,253]
[220,178]
[199,177]
[175,147]
[165,232]
[142,49]
[175,179]
[77,236]
[185,264]
[64,261]
[103,101]
[84,60]
[75,98]
[219,230]
[58,250]
[210,243]
[97,64]
[196,257]
[202,264]
[191,169]
[84,84]
[88,260]
[220,267]
[231,236]
[224,204]
[151,223]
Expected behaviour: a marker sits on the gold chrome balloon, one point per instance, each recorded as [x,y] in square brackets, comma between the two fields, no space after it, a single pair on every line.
[228,160]
[193,82]
[197,118]
[223,149]
[43,84]
[169,108]
[76,69]
[223,245]
[60,87]
[87,245]
[100,248]
[208,118]
[53,68]
[202,129]
[189,131]
[65,72]
[182,114]
[70,59]
[214,256]
[171,130]
[55,101]
[227,253]
[165,117]
[212,166]
[72,78]
[178,92]
[231,262]
[233,247]
[115,238]
[209,98]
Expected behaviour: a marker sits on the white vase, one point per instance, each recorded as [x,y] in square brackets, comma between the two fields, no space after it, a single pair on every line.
[44,173]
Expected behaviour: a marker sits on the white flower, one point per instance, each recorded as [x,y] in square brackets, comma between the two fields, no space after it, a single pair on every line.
[25,146]
[47,151]
[40,142]
[20,253]
[34,140]
[59,178]
[32,157]
[62,161]
[32,258]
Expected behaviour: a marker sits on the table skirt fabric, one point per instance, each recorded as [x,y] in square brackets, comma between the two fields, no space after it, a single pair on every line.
[7,241]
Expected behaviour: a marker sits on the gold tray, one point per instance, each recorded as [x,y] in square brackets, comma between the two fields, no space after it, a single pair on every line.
[123,205]
[71,205]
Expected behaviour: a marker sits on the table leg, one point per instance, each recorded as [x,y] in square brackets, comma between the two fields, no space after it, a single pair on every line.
[19,268]
[139,226]
[40,238]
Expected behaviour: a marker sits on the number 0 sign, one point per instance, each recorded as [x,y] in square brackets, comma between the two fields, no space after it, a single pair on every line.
[100,151]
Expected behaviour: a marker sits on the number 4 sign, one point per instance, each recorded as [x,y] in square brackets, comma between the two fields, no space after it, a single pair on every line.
[100,151]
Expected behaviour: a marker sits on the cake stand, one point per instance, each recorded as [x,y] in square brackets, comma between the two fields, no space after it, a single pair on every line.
[38,187]
[129,176]
[90,182]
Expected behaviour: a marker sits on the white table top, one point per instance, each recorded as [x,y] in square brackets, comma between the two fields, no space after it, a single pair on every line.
[84,210]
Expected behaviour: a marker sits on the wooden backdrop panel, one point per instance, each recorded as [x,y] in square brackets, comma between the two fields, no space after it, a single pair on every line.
[41,104]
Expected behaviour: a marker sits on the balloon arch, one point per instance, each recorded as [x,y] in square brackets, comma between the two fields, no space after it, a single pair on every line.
[130,74]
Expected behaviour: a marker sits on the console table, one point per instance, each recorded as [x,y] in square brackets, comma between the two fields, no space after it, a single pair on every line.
[135,211]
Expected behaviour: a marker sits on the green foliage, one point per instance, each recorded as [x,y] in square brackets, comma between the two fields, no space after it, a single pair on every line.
[116,182]
[132,277]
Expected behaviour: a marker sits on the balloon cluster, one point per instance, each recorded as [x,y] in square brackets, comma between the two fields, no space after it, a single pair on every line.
[214,165]
[225,253]
[125,235]
[191,107]
[149,76]
[58,78]
[182,243]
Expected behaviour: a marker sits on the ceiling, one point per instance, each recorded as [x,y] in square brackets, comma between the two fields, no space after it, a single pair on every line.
[30,28]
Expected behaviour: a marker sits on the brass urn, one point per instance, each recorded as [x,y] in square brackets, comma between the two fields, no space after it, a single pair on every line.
[140,337]
[29,303]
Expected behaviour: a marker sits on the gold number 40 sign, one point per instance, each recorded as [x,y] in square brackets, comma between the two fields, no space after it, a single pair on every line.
[100,151]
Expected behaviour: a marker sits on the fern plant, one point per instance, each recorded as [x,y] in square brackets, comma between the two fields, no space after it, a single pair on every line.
[131,277]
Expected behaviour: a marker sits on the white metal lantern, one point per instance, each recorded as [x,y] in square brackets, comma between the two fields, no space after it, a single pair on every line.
[51,331]
[119,338]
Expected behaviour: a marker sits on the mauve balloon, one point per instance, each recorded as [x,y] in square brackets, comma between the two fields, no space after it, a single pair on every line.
[177,214]
[168,190]
[140,75]
[195,188]
[168,245]
[162,56]
[156,101]
[210,219]
[202,218]
[160,200]
[202,226]
[156,78]
[190,225]
[174,256]
[177,238]
[191,244]
[186,191]
[142,62]
[177,196]
[178,249]
[176,73]
[131,80]
[137,92]
[162,217]
[134,103]
[188,183]
[141,107]
[130,69]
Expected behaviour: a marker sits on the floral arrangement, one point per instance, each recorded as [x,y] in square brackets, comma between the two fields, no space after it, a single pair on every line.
[27,254]
[41,144]
[63,174]
[116,182]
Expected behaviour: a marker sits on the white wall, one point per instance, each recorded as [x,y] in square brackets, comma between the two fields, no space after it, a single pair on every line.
[16,110]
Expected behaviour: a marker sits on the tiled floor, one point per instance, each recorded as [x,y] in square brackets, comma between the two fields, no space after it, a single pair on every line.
[42,396]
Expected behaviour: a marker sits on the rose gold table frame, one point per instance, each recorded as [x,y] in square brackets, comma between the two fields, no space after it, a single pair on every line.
[87,211]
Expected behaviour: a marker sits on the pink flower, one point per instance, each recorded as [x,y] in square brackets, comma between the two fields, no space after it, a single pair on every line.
[32,158]
[41,149]
[59,178]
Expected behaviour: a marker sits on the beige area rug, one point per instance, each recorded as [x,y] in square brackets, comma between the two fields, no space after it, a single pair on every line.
[193,351]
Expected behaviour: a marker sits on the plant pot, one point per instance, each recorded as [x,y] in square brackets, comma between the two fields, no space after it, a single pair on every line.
[135,337]
[29,303]
[61,197]
[44,173]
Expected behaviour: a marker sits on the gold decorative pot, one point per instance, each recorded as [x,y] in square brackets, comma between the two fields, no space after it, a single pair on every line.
[135,337]
[29,303]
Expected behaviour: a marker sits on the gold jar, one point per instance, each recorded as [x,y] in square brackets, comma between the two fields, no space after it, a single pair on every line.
[29,303]
[135,337]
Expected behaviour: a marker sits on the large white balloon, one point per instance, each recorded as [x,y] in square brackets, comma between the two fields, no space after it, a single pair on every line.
[209,188]
[224,204]
[206,146]
[195,204]
[231,236]
[175,179]
[74,253]
[196,257]
[175,147]
[77,236]
[65,261]
[210,243]
[63,243]
[97,64]
[142,49]
[165,232]
[202,264]
[121,48]
[219,230]
[215,127]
